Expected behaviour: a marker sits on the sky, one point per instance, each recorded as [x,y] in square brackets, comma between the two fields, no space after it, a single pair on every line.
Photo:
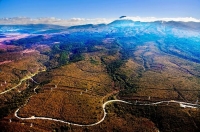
[66,9]
[79,12]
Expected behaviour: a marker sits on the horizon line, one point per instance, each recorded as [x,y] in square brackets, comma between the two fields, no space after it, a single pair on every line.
[83,21]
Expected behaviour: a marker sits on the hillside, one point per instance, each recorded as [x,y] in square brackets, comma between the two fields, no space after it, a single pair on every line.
[123,76]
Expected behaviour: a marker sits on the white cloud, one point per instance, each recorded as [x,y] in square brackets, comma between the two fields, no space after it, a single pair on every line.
[152,19]
[81,21]
[52,20]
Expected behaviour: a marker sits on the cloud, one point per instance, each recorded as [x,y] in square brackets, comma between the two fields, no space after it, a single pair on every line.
[55,21]
[81,21]
[152,19]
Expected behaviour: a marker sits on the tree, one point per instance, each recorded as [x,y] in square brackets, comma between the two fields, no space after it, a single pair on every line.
[76,57]
[63,58]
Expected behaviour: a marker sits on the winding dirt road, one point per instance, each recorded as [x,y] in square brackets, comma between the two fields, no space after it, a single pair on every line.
[23,79]
[137,103]
[182,104]
[62,121]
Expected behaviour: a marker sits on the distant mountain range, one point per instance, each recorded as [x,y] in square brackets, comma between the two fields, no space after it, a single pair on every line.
[182,37]
[49,28]
[83,21]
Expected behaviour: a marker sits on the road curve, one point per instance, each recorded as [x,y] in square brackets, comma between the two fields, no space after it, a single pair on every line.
[20,82]
[182,104]
[75,124]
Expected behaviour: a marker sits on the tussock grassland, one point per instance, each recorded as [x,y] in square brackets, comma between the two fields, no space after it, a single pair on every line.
[157,74]
[75,94]
[14,71]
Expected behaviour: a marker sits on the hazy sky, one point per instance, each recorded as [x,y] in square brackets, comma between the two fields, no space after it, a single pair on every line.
[66,9]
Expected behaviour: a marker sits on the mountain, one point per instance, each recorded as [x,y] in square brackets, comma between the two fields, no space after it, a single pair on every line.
[87,26]
[122,76]
[32,28]
[118,23]
[127,30]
